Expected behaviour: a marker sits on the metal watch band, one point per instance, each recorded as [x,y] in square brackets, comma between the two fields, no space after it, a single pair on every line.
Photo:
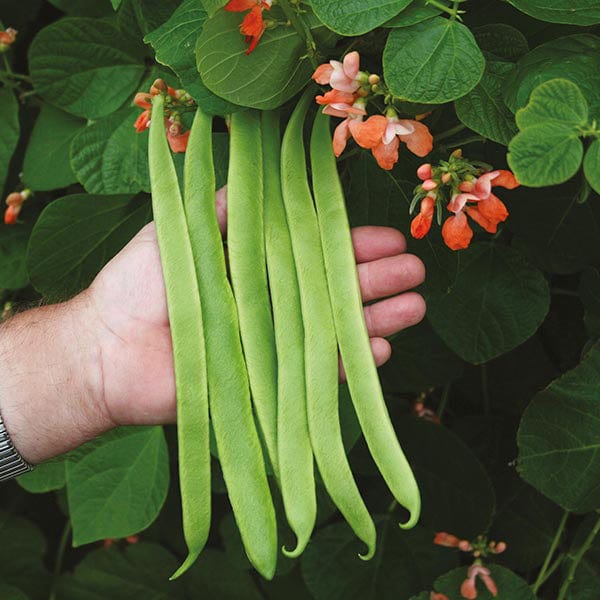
[11,462]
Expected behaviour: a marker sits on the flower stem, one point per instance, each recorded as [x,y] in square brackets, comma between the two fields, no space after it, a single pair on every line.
[60,554]
[542,574]
[450,132]
[589,540]
[303,31]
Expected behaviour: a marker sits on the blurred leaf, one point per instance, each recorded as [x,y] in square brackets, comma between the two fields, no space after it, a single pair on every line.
[97,227]
[110,157]
[435,61]
[83,8]
[501,40]
[47,163]
[578,12]
[13,256]
[9,125]
[485,300]
[510,586]
[417,11]
[483,109]
[591,166]
[142,570]
[212,6]
[558,438]
[21,554]
[9,592]
[46,477]
[86,67]
[117,487]
[175,45]
[355,17]
[405,562]
[151,14]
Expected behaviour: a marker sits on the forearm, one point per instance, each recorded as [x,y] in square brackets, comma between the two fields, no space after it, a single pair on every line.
[51,379]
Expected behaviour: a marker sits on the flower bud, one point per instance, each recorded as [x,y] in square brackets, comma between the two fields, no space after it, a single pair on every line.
[424,172]
[500,547]
[457,153]
[446,177]
[374,79]
[465,546]
[429,185]
[158,87]
[14,199]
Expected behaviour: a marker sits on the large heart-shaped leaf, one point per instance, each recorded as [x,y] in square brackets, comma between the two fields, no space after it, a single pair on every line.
[417,11]
[501,40]
[76,236]
[433,62]
[86,67]
[117,486]
[46,477]
[486,301]
[577,12]
[405,562]
[559,449]
[9,125]
[355,17]
[13,256]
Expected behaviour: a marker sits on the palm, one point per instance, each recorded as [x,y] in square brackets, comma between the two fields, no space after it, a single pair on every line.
[130,300]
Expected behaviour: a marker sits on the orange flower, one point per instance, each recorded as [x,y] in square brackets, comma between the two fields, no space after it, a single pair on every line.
[468,589]
[178,140]
[419,228]
[143,121]
[253,25]
[438,596]
[446,539]
[342,76]
[14,203]
[7,38]
[415,135]
[456,232]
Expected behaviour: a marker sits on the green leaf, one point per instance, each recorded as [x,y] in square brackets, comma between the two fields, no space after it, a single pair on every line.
[118,487]
[433,62]
[21,556]
[510,586]
[76,236]
[457,494]
[558,438]
[142,570]
[545,154]
[576,58]
[212,6]
[175,42]
[9,125]
[490,301]
[85,66]
[417,11]
[576,12]
[419,361]
[116,4]
[46,477]
[591,165]
[526,521]
[355,17]
[274,72]
[9,592]
[47,164]
[110,157]
[151,14]
[501,40]
[483,109]
[13,256]
[83,8]
[405,562]
[555,101]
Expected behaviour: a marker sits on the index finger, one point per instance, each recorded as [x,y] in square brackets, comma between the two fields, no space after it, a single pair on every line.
[372,242]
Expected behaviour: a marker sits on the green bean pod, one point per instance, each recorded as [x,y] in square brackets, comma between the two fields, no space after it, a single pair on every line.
[352,334]
[238,444]
[248,271]
[187,335]
[296,470]
[320,346]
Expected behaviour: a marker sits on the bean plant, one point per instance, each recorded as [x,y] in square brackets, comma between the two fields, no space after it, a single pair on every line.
[468,465]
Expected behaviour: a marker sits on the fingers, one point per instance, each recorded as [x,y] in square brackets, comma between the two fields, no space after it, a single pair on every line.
[382,350]
[394,314]
[371,243]
[391,275]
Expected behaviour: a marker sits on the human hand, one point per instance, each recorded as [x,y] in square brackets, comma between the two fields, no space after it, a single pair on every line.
[129,302]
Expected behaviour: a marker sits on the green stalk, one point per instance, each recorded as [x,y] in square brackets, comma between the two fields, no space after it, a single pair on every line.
[60,555]
[542,574]
[303,31]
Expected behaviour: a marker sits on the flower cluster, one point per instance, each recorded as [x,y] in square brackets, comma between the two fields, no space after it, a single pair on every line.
[479,548]
[351,92]
[465,188]
[14,203]
[7,38]
[253,25]
[175,101]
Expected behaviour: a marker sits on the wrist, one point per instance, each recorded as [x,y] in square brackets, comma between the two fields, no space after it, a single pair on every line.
[51,381]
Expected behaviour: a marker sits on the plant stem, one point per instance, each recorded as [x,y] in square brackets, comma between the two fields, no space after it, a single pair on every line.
[577,559]
[440,5]
[60,554]
[542,574]
[303,31]
[450,132]
[444,401]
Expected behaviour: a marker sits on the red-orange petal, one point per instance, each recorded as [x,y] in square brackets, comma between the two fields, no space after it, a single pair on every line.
[335,97]
[143,100]
[506,180]
[141,123]
[11,213]
[490,584]
[322,74]
[179,142]
[456,232]
[492,210]
[386,155]
[446,539]
[240,5]
[468,589]
[420,142]
[253,23]
[368,133]
[341,135]
[480,219]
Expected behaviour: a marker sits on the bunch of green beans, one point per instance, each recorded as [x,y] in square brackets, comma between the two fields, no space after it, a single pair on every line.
[256,335]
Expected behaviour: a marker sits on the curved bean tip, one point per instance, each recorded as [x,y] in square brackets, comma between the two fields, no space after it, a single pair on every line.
[297,551]
[189,561]
[412,520]
[370,553]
